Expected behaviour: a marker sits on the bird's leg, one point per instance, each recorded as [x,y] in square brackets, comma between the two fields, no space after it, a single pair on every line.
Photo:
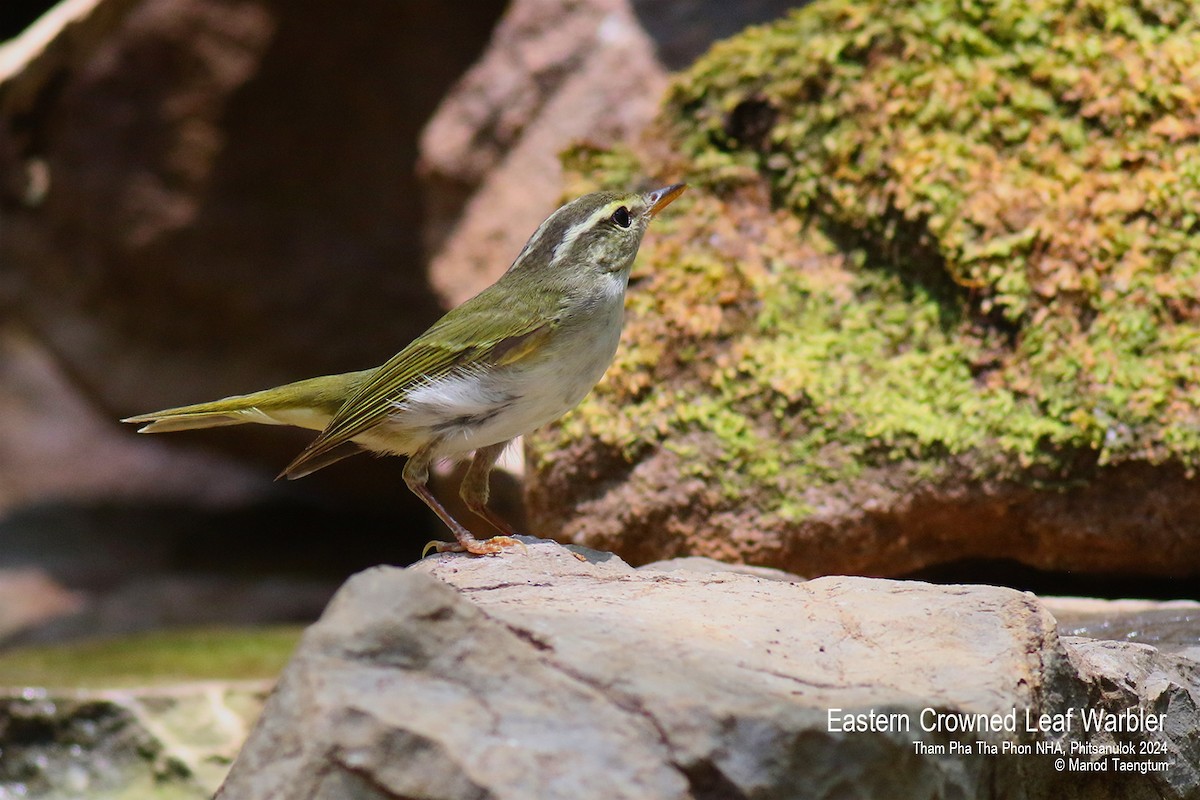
[475,490]
[416,475]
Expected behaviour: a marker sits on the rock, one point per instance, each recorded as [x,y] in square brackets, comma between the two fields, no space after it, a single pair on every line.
[536,674]
[889,327]
[701,564]
[1172,627]
[168,743]
[29,598]
[196,203]
[55,439]
[1134,675]
[1140,652]
[556,72]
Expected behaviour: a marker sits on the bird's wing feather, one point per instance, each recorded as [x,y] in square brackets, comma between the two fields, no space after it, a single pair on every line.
[476,333]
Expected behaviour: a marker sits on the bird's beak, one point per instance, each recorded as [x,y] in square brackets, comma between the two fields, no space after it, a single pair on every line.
[661,198]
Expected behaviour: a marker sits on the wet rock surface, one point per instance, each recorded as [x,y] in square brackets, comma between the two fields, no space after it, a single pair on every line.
[537,674]
[168,743]
[1171,627]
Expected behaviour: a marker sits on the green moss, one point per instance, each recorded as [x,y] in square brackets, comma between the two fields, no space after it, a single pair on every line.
[168,656]
[986,249]
[617,168]
[1040,158]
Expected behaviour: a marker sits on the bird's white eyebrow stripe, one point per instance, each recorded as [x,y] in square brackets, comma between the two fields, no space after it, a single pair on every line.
[575,230]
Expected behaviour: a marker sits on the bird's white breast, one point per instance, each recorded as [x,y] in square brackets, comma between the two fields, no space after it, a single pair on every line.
[474,408]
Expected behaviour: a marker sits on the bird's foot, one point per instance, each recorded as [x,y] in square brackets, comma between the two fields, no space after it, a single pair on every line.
[477,547]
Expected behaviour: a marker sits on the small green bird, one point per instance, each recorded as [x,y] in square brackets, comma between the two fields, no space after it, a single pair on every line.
[518,355]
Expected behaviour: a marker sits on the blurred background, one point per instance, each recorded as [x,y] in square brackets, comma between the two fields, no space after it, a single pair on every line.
[201,198]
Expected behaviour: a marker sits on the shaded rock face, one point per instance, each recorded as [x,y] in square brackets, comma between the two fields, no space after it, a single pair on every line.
[220,195]
[912,310]
[203,198]
[540,675]
[54,441]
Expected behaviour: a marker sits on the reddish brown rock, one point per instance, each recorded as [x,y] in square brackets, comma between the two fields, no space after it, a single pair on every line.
[1134,520]
[56,446]
[555,72]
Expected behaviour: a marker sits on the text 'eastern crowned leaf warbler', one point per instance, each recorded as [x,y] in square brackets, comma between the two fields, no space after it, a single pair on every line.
[518,355]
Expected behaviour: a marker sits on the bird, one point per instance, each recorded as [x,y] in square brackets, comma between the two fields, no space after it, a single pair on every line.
[515,357]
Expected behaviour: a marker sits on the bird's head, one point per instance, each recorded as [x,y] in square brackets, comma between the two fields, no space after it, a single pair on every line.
[598,232]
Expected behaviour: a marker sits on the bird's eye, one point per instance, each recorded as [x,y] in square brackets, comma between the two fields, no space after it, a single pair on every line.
[621,217]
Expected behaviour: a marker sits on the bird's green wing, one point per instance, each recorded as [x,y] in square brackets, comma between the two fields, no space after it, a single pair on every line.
[477,333]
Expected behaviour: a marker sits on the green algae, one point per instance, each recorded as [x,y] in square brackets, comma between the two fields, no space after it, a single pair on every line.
[982,250]
[152,715]
[150,659]
[1042,158]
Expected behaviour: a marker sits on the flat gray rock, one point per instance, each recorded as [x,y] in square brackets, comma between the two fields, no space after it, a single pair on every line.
[550,674]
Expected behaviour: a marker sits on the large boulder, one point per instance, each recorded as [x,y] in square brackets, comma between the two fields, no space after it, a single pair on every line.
[556,72]
[549,673]
[932,297]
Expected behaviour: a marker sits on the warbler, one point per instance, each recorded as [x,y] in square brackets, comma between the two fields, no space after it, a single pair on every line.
[515,357]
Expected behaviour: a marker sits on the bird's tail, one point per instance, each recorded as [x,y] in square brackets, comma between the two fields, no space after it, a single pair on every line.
[305,404]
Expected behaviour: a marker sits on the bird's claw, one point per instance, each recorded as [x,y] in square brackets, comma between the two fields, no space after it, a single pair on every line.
[476,547]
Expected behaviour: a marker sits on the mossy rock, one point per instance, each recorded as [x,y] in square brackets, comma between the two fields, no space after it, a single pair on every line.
[152,716]
[935,294]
